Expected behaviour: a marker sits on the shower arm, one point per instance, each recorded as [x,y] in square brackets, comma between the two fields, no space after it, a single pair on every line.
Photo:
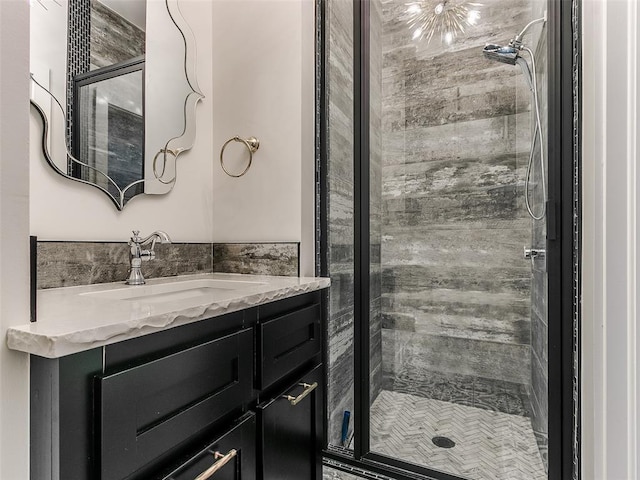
[517,41]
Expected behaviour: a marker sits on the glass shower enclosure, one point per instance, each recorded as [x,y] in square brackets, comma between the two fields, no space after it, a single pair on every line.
[447,217]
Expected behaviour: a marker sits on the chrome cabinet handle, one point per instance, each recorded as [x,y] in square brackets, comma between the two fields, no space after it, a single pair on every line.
[221,461]
[307,390]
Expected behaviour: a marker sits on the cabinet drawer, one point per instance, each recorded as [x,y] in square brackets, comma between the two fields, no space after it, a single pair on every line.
[136,351]
[148,410]
[290,431]
[286,343]
[234,452]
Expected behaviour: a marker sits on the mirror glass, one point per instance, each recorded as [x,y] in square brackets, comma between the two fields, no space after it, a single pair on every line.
[114,82]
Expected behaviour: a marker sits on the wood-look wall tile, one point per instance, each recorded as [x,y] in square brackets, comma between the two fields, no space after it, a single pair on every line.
[66,264]
[257,258]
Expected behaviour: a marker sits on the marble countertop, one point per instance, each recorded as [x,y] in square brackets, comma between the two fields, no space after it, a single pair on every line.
[75,319]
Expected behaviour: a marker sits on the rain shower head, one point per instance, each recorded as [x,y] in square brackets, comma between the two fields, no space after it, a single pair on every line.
[502,54]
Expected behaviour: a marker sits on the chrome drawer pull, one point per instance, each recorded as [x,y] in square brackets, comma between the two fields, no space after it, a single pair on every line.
[221,461]
[307,390]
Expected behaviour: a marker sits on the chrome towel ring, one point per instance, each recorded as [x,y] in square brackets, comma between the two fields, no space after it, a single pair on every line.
[252,144]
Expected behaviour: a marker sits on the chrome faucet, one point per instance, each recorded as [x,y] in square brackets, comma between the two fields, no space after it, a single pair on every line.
[137,254]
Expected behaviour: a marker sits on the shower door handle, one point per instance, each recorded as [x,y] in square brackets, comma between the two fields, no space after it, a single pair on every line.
[533,253]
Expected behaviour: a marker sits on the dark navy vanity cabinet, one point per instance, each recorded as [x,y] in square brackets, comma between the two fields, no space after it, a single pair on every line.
[290,430]
[238,396]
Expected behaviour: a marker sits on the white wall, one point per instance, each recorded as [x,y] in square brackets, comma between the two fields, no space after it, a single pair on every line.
[14,235]
[48,65]
[65,210]
[263,68]
[610,396]
[308,203]
[256,69]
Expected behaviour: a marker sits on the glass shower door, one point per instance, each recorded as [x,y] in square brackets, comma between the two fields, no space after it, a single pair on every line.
[457,319]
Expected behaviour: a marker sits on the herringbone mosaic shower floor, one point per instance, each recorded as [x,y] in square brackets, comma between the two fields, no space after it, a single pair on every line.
[489,445]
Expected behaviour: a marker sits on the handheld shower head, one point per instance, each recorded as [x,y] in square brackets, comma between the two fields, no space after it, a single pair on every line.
[526,71]
[502,54]
[511,56]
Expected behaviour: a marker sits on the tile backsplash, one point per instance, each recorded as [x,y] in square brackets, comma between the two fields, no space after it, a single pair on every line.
[257,258]
[66,264]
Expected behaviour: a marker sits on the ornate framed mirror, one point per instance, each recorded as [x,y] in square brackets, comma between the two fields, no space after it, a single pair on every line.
[114,82]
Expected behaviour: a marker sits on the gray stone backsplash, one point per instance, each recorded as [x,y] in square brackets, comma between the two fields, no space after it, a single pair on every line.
[257,258]
[68,263]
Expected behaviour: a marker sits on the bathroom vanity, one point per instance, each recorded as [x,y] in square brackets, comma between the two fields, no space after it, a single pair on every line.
[222,379]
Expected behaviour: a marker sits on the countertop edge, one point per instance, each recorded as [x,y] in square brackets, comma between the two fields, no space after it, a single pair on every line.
[24,339]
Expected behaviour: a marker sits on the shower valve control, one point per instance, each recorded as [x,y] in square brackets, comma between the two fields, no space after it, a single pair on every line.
[533,253]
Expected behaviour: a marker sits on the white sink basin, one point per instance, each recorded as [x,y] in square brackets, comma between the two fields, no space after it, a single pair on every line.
[168,292]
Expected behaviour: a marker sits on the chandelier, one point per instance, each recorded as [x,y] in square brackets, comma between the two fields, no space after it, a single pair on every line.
[447,18]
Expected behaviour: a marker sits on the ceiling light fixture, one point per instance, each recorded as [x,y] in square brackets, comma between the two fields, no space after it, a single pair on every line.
[447,18]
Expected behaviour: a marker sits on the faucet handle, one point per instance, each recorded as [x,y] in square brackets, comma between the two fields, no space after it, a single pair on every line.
[135,238]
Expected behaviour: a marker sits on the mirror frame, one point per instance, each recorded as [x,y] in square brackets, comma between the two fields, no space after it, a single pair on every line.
[174,146]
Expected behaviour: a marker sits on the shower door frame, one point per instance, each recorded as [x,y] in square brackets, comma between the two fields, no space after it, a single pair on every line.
[562,245]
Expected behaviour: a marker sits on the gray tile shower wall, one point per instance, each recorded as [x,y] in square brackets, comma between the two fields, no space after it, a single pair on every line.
[538,393]
[339,81]
[67,264]
[375,203]
[341,212]
[257,258]
[455,289]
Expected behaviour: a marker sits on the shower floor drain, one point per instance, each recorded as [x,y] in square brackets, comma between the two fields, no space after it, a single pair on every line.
[443,442]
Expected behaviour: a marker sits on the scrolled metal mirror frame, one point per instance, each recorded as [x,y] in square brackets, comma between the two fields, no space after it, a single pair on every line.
[173,147]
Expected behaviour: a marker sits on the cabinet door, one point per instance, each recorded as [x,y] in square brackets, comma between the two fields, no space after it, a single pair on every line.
[231,457]
[148,410]
[290,431]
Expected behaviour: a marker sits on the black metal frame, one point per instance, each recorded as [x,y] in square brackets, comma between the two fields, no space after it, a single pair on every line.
[560,240]
[112,71]
[577,232]
[361,194]
[321,189]
[562,244]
